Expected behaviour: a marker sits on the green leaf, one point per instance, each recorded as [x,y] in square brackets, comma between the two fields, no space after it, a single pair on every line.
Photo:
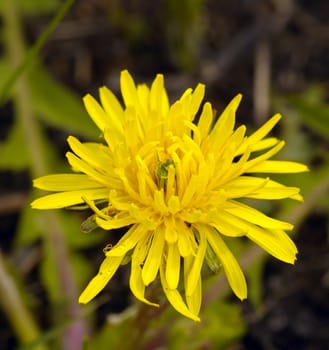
[230,323]
[13,151]
[315,114]
[49,275]
[77,239]
[29,227]
[225,327]
[110,335]
[58,106]
[5,72]
[299,146]
[36,7]
[82,271]
[255,280]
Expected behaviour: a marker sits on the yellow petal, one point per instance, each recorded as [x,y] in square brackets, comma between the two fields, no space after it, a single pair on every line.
[136,283]
[172,266]
[95,154]
[190,190]
[113,108]
[128,88]
[175,298]
[259,188]
[195,270]
[275,242]
[154,257]
[119,200]
[128,241]
[185,239]
[143,96]
[277,166]
[231,267]
[171,234]
[259,134]
[262,144]
[158,201]
[69,198]
[82,166]
[225,224]
[65,182]
[106,272]
[156,95]
[194,300]
[225,124]
[255,216]
[196,99]
[258,161]
[96,112]
[121,220]
[205,120]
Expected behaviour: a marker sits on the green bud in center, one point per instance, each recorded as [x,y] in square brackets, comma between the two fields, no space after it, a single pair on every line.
[162,173]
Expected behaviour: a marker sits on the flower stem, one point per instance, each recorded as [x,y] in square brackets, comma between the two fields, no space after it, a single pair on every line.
[135,333]
[34,50]
[16,312]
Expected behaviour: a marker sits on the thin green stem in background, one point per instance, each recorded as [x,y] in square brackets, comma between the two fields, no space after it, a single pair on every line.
[17,313]
[34,51]
[54,238]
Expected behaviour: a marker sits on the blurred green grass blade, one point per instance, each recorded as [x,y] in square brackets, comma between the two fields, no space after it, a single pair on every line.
[35,7]
[314,188]
[13,153]
[58,106]
[110,335]
[226,317]
[225,327]
[48,272]
[82,272]
[184,31]
[85,344]
[314,114]
[33,53]
[75,238]
[5,73]
[299,145]
[30,229]
[255,274]
[48,336]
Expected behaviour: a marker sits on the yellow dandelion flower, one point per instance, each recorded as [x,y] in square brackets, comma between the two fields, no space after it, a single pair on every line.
[173,180]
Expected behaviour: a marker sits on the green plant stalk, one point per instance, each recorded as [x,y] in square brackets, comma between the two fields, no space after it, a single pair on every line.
[73,335]
[133,336]
[15,310]
[35,49]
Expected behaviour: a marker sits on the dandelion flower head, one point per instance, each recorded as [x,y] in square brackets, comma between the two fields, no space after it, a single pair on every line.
[172,175]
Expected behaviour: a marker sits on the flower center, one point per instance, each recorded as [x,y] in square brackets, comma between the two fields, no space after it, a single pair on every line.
[163,171]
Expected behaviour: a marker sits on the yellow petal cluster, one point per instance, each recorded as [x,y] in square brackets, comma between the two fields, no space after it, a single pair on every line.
[172,175]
